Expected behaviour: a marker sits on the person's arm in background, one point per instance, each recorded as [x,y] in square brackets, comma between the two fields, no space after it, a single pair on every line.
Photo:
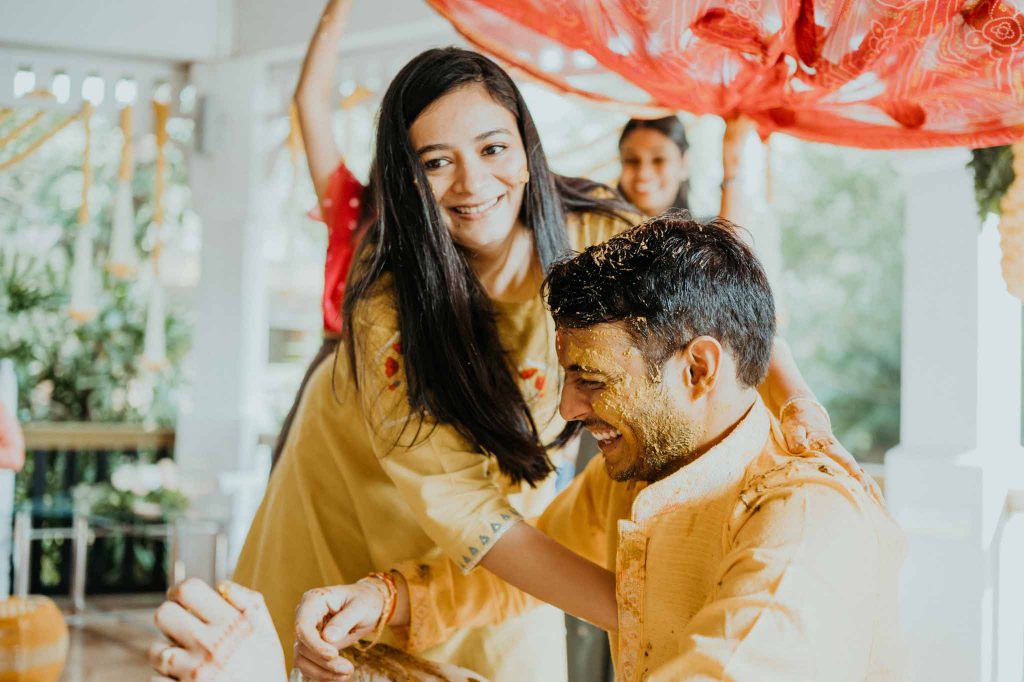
[12,441]
[314,96]
[784,380]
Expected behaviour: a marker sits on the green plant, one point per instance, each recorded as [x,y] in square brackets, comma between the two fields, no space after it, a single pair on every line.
[69,371]
[84,372]
[993,174]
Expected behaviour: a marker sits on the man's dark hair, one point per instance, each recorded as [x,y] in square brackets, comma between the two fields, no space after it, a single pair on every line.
[672,279]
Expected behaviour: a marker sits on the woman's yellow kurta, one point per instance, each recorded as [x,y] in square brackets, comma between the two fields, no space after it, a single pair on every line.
[344,500]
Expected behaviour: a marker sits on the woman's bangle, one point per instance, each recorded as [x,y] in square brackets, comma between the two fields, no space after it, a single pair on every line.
[386,578]
[390,594]
[803,398]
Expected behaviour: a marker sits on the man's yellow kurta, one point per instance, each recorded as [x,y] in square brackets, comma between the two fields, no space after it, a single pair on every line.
[747,564]
[355,491]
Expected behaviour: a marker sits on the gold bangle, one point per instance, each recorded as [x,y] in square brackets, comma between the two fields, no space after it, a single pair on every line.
[803,398]
[390,594]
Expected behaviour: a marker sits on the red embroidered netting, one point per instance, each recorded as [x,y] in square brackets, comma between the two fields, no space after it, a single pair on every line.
[879,74]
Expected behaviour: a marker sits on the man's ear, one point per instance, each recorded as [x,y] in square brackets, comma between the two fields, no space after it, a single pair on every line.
[702,362]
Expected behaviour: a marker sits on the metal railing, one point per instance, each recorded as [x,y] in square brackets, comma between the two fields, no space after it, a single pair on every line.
[60,456]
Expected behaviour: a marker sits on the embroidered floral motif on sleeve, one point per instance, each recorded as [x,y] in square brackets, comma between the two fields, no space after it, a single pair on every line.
[533,377]
[392,364]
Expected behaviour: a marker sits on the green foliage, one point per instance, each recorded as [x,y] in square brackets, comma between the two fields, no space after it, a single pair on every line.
[993,174]
[123,505]
[25,284]
[69,371]
[841,213]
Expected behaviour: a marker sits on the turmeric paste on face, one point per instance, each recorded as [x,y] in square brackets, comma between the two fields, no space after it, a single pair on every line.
[657,435]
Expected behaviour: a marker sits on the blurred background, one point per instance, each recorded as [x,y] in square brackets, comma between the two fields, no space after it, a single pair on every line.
[188,346]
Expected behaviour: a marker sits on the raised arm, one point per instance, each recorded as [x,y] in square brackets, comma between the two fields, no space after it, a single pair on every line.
[314,95]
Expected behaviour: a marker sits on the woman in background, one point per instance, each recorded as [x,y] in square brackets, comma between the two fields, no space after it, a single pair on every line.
[655,164]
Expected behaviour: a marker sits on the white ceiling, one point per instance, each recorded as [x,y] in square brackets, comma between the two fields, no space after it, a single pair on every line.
[194,30]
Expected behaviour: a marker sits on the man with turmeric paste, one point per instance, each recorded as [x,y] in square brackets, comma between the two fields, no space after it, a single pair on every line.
[732,559]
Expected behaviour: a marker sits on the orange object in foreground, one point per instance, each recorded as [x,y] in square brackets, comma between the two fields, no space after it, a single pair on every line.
[33,640]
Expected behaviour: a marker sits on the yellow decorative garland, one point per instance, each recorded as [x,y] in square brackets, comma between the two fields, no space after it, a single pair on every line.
[32,148]
[20,128]
[124,172]
[122,261]
[82,307]
[83,210]
[161,111]
[154,354]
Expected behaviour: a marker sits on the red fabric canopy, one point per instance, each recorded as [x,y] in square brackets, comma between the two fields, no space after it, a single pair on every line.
[879,74]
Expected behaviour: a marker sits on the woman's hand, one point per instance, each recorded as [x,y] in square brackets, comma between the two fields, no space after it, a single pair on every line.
[328,620]
[227,637]
[806,426]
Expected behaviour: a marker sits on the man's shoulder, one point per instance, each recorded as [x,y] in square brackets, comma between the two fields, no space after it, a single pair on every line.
[780,489]
[776,471]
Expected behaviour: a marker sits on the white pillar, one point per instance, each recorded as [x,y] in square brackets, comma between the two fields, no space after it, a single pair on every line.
[960,421]
[218,435]
[9,402]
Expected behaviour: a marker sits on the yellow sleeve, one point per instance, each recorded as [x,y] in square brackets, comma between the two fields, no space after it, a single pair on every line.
[454,492]
[794,600]
[442,599]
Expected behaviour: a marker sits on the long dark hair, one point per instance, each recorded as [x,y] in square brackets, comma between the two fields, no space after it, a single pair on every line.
[456,370]
[672,128]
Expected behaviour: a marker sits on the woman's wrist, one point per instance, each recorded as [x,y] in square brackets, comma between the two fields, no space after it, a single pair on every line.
[793,402]
[384,584]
